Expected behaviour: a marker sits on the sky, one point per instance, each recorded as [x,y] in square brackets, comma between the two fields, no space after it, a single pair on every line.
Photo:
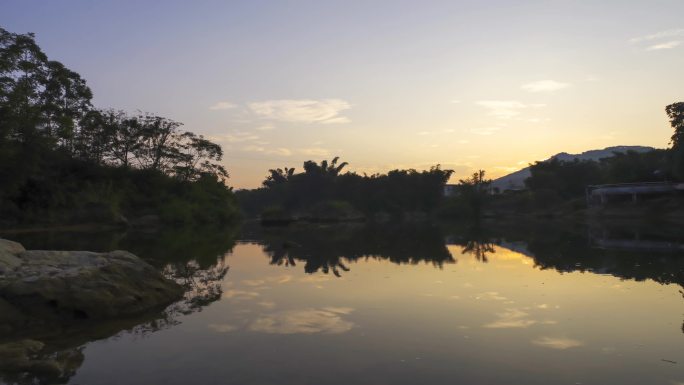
[382,84]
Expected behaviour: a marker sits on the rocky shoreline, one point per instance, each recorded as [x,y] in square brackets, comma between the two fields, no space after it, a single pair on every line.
[42,291]
[78,284]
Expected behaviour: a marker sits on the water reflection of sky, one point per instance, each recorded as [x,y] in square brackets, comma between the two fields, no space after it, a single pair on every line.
[500,322]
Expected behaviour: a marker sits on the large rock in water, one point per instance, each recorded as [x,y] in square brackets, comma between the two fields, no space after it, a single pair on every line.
[67,285]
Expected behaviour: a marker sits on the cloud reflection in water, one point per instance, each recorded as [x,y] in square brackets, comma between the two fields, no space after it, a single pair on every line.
[326,320]
[558,343]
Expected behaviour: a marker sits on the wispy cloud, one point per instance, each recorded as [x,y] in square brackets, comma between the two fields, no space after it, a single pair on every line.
[506,109]
[302,110]
[222,106]
[314,151]
[265,127]
[538,120]
[280,151]
[485,130]
[234,137]
[507,168]
[670,33]
[666,45]
[253,148]
[544,86]
[668,39]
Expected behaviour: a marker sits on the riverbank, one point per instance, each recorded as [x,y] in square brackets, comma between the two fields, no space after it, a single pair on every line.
[528,207]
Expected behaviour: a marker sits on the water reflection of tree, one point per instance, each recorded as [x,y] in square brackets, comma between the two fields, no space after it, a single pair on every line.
[331,248]
[47,368]
[567,250]
[479,249]
[569,247]
[474,240]
[203,285]
[195,258]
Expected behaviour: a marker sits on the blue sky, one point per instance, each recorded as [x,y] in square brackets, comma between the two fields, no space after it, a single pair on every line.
[383,84]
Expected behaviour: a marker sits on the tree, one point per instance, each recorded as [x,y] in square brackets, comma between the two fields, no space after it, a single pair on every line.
[476,182]
[41,103]
[324,186]
[675,112]
[474,191]
[198,156]
[331,169]
[60,155]
[95,139]
[42,100]
[278,176]
[158,147]
[564,179]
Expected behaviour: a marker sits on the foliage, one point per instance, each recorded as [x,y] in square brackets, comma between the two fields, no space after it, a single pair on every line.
[568,179]
[631,166]
[63,160]
[323,187]
[470,197]
[675,112]
[332,249]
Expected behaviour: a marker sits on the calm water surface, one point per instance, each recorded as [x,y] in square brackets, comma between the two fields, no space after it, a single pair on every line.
[397,305]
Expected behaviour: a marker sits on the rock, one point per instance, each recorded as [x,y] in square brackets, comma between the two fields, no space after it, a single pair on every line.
[80,284]
[11,319]
[52,302]
[8,255]
[11,247]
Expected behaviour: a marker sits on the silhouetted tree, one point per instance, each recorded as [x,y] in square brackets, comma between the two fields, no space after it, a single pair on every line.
[324,187]
[278,176]
[59,155]
[566,179]
[675,112]
[197,157]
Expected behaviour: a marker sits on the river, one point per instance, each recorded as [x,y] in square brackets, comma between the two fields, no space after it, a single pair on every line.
[389,304]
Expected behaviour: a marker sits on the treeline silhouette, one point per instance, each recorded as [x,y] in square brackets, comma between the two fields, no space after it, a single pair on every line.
[62,160]
[322,191]
[568,179]
[558,186]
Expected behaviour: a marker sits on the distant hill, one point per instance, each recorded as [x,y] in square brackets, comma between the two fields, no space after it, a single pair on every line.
[516,180]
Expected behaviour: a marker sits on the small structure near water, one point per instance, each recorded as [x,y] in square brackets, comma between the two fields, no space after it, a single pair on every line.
[600,195]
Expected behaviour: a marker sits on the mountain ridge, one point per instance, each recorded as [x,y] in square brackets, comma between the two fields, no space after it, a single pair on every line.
[516,180]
